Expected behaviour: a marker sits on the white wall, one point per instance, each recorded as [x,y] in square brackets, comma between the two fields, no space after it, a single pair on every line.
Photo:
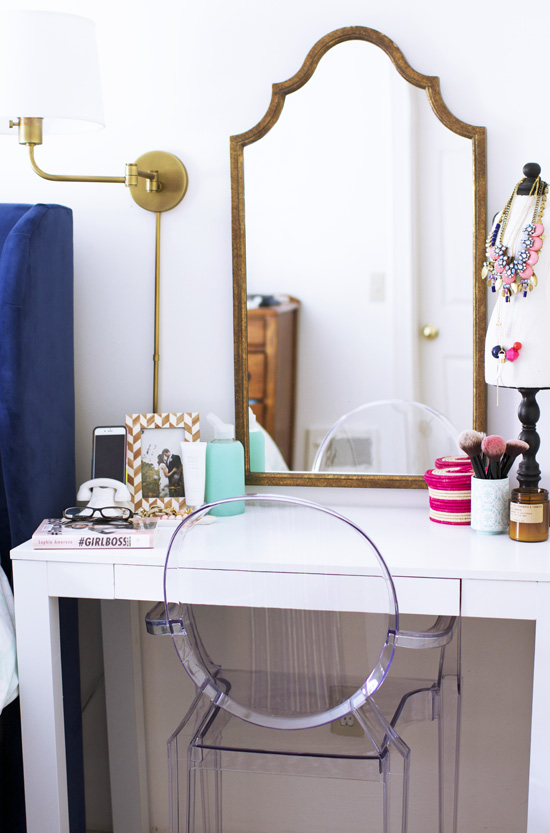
[183,77]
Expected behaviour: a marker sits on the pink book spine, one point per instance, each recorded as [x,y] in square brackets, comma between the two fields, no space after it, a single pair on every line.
[88,539]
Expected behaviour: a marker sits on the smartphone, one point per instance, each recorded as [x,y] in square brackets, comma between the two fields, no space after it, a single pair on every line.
[109,452]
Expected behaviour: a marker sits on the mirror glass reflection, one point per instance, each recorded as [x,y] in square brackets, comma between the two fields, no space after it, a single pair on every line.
[359,205]
[359,219]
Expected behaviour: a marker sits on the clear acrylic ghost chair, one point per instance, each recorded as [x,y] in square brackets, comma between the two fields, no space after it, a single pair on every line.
[391,436]
[276,657]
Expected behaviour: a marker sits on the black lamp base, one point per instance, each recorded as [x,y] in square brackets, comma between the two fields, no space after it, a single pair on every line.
[528,472]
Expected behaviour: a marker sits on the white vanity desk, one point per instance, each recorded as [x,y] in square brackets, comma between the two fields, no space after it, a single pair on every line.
[437,569]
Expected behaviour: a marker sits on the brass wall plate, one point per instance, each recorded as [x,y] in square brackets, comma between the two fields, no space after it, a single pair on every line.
[173,176]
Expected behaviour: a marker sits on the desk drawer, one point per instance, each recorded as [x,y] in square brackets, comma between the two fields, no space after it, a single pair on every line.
[133,582]
[500,599]
[320,592]
[256,375]
[256,331]
[84,581]
[437,596]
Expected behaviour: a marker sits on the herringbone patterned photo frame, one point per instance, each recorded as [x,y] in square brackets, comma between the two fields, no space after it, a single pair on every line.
[186,429]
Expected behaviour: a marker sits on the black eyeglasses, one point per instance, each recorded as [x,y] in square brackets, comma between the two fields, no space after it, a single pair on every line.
[111,514]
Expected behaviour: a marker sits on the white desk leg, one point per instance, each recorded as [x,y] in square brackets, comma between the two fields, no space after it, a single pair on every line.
[121,627]
[41,697]
[538,819]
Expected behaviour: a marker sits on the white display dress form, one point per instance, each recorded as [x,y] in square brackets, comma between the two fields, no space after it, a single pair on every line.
[521,316]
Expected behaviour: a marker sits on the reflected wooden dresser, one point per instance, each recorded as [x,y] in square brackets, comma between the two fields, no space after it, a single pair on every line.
[272,350]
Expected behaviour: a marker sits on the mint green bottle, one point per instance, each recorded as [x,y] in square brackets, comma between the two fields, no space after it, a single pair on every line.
[224,468]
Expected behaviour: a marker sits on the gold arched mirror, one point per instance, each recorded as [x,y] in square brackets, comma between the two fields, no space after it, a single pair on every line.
[358,240]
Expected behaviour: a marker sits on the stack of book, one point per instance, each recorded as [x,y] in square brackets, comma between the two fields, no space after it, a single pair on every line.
[55,534]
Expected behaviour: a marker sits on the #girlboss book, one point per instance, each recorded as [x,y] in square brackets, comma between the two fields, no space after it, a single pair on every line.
[54,534]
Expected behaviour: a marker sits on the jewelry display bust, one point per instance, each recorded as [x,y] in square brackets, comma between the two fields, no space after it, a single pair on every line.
[517,269]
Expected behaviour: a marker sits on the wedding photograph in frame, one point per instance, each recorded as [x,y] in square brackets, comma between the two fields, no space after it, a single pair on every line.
[154,467]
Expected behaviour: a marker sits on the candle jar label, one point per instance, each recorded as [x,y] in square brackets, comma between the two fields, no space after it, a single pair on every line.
[522,514]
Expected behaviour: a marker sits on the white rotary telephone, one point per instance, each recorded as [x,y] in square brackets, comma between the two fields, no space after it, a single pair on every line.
[103,491]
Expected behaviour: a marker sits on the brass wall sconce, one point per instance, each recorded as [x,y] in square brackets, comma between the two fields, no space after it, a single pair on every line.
[62,83]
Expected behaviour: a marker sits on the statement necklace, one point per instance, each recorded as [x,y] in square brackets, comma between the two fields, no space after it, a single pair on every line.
[504,271]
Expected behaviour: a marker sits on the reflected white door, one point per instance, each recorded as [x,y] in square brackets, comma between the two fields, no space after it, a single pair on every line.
[445,267]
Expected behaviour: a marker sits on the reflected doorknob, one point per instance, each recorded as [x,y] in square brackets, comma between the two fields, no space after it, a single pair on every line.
[430,331]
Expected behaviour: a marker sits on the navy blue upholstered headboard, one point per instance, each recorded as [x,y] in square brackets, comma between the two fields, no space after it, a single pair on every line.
[37,445]
[37,457]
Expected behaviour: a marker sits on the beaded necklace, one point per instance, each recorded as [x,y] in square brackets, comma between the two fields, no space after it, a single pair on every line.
[511,274]
[504,271]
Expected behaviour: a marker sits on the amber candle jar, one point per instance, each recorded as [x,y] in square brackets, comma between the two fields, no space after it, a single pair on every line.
[529,515]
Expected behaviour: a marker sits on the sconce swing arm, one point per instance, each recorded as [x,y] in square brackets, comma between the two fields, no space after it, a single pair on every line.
[157,182]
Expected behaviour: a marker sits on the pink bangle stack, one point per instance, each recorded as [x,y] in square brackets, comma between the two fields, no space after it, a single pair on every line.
[449,492]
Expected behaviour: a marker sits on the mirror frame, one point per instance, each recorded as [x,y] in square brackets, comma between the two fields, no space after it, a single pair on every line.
[240,317]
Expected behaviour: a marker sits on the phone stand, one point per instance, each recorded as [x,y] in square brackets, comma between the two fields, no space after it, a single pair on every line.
[103,492]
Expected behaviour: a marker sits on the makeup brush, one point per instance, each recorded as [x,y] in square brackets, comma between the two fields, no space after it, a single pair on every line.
[513,449]
[493,447]
[470,443]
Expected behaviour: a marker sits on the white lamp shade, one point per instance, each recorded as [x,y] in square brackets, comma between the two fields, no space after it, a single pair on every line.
[49,68]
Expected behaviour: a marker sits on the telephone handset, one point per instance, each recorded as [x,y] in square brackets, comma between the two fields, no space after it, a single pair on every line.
[104,491]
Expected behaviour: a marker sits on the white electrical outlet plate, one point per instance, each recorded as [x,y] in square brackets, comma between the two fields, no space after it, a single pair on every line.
[377,287]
